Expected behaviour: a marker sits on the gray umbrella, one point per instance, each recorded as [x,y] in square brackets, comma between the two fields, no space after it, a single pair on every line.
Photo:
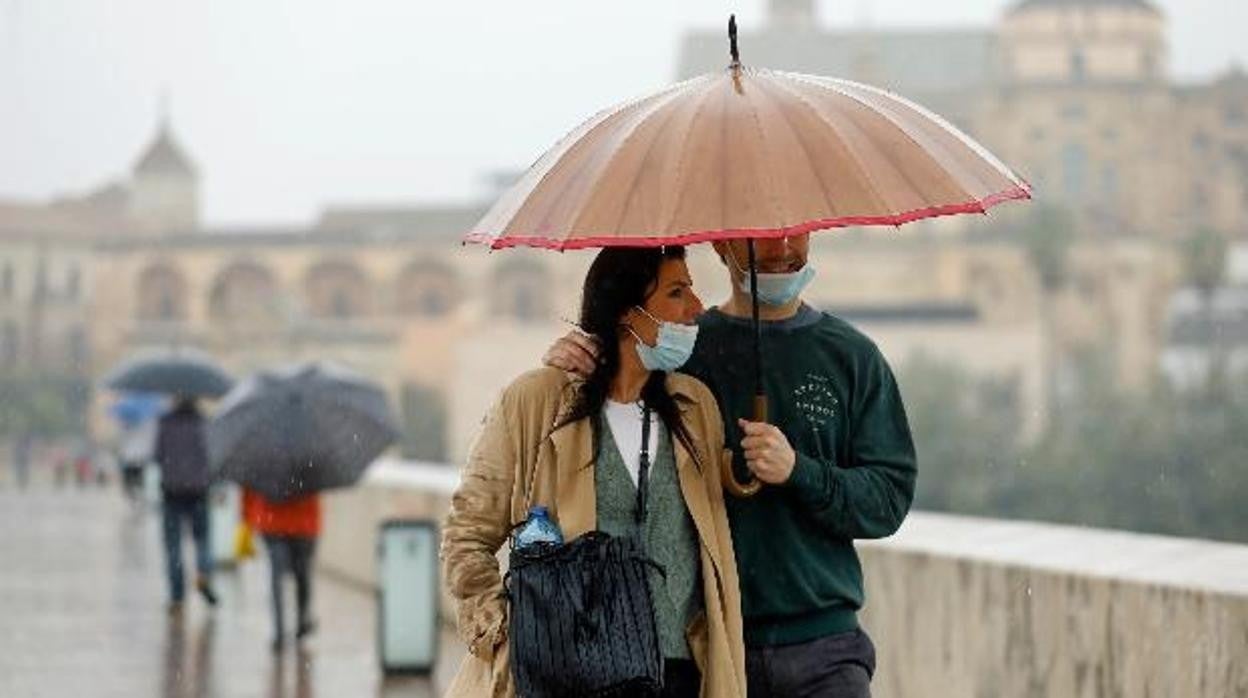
[179,372]
[304,429]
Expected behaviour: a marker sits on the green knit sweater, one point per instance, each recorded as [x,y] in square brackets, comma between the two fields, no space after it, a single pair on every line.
[832,394]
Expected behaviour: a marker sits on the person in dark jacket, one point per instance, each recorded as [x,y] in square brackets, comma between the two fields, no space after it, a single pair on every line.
[182,455]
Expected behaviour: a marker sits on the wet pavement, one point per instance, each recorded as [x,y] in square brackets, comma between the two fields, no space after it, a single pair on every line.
[82,613]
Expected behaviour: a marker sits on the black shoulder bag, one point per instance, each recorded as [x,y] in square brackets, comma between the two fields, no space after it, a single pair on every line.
[581,620]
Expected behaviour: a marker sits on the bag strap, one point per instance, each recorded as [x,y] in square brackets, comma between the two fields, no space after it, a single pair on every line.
[643,467]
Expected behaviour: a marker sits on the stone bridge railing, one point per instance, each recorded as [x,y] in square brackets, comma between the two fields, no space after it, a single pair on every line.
[960,606]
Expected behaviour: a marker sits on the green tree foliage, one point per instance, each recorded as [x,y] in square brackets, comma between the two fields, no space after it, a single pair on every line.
[1204,260]
[1047,235]
[1159,462]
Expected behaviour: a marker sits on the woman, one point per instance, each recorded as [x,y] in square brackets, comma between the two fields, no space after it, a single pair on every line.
[573,446]
[290,530]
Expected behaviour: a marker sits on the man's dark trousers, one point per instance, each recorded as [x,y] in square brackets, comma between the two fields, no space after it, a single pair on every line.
[836,666]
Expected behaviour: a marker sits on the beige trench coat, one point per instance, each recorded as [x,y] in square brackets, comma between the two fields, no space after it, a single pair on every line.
[516,450]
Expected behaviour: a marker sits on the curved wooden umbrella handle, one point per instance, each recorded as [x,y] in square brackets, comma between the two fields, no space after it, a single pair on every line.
[735,488]
[752,486]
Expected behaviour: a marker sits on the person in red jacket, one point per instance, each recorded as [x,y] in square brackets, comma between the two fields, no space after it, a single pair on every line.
[290,530]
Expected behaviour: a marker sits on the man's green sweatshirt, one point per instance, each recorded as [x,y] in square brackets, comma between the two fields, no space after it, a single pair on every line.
[832,394]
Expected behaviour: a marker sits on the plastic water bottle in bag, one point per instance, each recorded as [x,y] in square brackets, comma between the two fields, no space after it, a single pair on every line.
[538,529]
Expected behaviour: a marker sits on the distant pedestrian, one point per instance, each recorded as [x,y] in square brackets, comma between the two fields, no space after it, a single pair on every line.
[182,456]
[290,530]
[133,453]
[84,468]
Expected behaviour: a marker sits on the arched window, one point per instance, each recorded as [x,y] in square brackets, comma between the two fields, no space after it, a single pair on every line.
[244,294]
[338,290]
[521,290]
[427,289]
[162,295]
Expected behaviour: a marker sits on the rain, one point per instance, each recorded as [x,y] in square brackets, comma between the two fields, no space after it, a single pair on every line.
[280,283]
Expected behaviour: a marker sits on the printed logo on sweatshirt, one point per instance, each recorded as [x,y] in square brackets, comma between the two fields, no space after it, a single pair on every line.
[816,401]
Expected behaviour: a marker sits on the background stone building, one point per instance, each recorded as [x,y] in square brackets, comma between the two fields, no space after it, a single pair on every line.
[1073,93]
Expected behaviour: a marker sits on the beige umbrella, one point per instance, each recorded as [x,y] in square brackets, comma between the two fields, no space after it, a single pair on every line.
[746,153]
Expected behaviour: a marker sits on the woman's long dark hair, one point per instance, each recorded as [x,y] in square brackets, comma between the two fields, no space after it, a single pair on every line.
[620,278]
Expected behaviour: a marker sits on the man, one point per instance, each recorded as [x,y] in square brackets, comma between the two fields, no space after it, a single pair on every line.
[836,458]
[182,456]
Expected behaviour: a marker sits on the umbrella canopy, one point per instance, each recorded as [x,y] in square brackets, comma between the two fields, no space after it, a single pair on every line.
[181,372]
[746,153]
[303,429]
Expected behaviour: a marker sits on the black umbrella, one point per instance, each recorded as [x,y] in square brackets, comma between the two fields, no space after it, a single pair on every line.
[303,429]
[179,372]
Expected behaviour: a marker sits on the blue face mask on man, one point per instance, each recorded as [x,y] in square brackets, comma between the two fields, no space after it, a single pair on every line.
[671,349]
[776,289]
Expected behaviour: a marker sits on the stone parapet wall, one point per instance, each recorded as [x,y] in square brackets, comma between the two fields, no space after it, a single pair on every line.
[960,606]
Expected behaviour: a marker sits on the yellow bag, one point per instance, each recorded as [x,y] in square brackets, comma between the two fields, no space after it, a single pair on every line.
[244,543]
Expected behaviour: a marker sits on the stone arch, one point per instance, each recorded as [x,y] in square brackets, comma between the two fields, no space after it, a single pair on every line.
[521,290]
[427,289]
[337,290]
[244,293]
[161,294]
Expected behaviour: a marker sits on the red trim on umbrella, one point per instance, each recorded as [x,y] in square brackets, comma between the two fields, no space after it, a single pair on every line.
[977,206]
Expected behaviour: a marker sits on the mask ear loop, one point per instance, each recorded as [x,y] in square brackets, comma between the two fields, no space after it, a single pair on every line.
[630,330]
[653,319]
[633,332]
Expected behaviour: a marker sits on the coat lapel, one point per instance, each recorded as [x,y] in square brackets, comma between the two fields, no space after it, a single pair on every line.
[575,501]
[693,487]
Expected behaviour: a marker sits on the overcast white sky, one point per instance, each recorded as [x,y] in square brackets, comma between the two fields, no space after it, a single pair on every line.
[288,105]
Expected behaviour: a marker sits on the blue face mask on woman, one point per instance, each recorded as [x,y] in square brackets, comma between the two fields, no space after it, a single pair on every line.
[673,347]
[776,289]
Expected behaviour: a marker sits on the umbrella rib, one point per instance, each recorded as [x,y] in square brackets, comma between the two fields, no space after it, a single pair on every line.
[509,206]
[871,186]
[703,101]
[762,136]
[932,149]
[637,111]
[928,148]
[897,166]
[723,149]
[952,130]
[800,138]
[679,162]
[650,112]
